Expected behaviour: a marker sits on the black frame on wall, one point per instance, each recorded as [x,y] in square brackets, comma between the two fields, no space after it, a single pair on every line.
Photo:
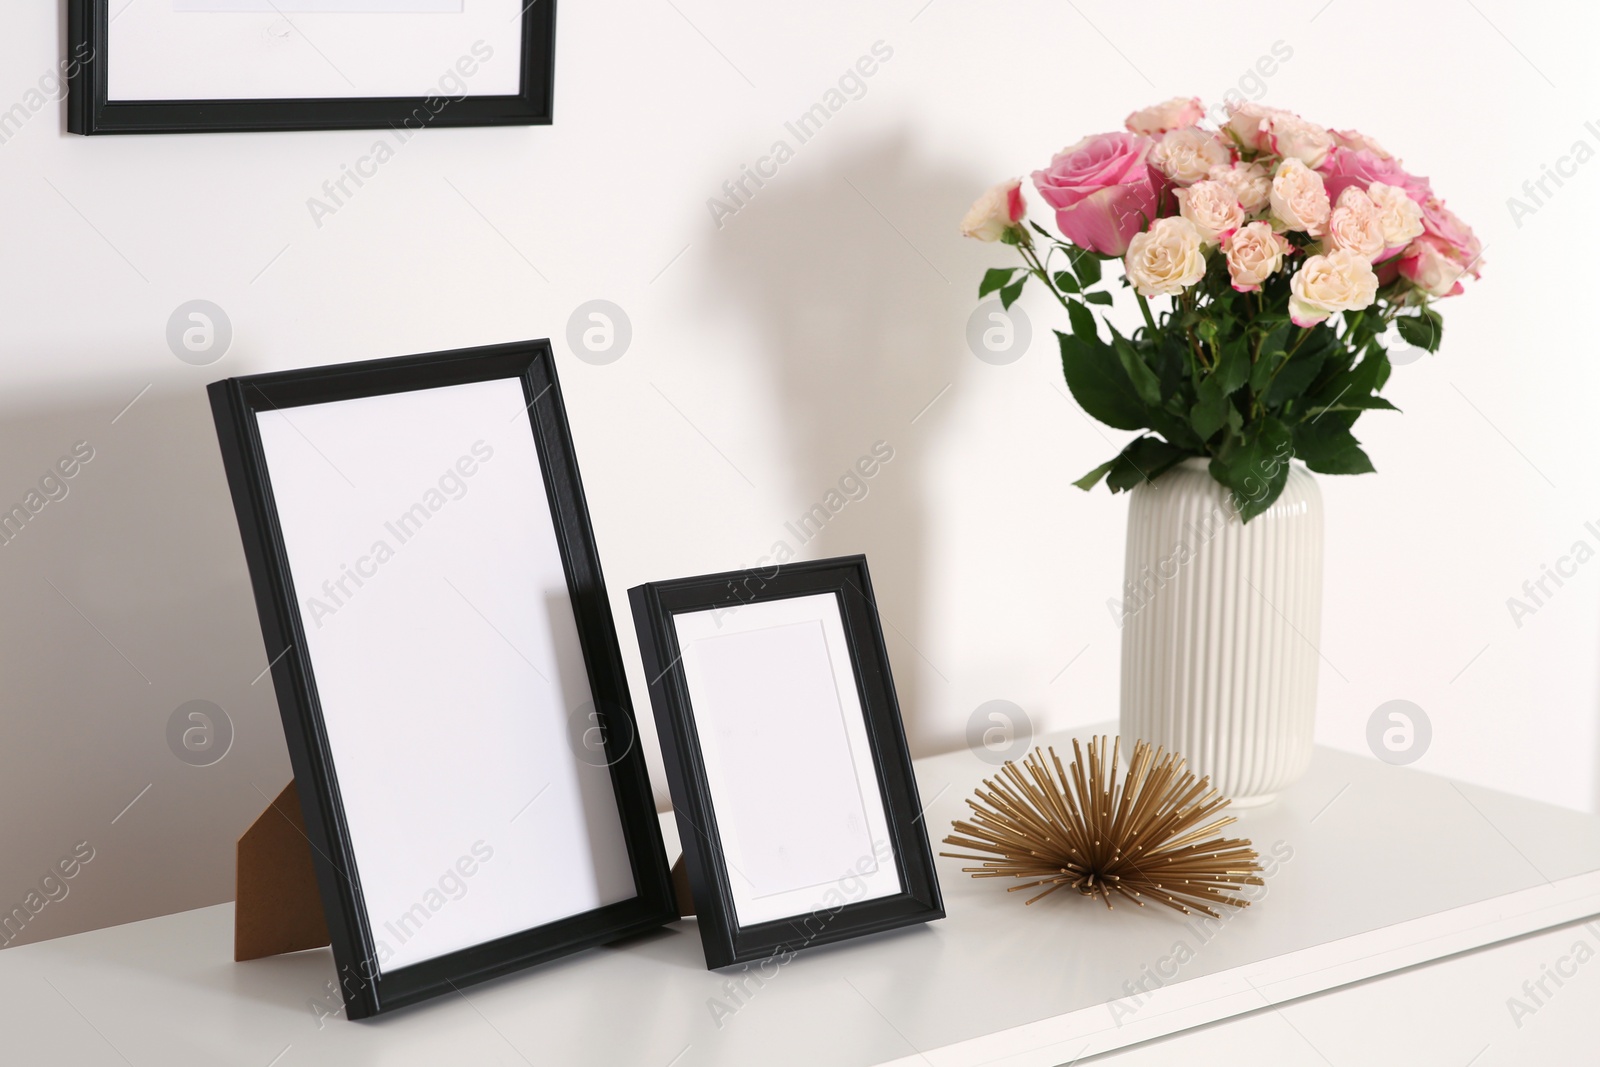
[90,111]
[725,940]
[234,403]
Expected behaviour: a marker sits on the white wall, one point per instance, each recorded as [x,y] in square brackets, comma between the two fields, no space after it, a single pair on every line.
[767,355]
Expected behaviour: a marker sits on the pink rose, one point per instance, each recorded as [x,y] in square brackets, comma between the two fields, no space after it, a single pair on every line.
[1454,237]
[1344,167]
[1103,191]
[1446,252]
[1175,114]
[1430,267]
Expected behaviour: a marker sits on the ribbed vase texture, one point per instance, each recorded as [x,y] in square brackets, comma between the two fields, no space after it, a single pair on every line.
[1220,629]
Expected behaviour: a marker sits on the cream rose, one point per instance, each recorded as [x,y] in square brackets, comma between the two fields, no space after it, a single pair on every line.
[1354,225]
[1341,280]
[1298,199]
[1166,259]
[995,212]
[1247,124]
[1174,114]
[1250,182]
[1187,156]
[1213,208]
[1254,254]
[1399,216]
[1292,137]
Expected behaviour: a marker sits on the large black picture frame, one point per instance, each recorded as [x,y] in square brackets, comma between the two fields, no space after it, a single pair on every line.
[367,989]
[90,111]
[726,940]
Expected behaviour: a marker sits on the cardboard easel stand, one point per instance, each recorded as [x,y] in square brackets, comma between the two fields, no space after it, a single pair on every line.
[277,905]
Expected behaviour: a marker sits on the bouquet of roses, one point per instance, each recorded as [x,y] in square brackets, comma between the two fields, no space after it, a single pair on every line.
[1289,254]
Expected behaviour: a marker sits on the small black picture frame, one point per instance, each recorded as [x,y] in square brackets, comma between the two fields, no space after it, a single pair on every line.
[781,732]
[380,777]
[90,110]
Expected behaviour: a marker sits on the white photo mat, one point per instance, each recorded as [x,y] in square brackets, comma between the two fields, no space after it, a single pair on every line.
[173,50]
[787,757]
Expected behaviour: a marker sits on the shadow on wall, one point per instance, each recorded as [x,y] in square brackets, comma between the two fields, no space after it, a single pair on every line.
[843,265]
[127,598]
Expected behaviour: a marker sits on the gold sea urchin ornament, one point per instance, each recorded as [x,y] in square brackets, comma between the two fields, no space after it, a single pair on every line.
[1148,838]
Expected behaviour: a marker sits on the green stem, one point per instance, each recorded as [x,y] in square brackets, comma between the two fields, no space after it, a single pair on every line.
[1037,268]
[1188,331]
[1252,400]
[1305,332]
[1352,330]
[1149,320]
[1288,356]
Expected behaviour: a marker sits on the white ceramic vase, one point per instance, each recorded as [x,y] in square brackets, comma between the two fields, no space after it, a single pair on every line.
[1220,629]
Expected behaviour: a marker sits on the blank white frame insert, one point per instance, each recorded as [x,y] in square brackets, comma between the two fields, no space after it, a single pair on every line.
[440,631]
[787,756]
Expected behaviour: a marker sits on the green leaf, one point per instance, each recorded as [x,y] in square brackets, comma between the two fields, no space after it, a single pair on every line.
[1351,459]
[1143,460]
[1261,372]
[1256,467]
[1087,266]
[1422,331]
[1292,379]
[1143,378]
[996,278]
[1233,367]
[1090,480]
[1349,386]
[1101,297]
[1083,321]
[1349,403]
[1065,281]
[1099,384]
[1170,360]
[1327,447]
[1009,294]
[1209,415]
[1369,375]
[1381,366]
[1274,347]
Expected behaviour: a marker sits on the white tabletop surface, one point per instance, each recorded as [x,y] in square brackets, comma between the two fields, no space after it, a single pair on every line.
[1391,868]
